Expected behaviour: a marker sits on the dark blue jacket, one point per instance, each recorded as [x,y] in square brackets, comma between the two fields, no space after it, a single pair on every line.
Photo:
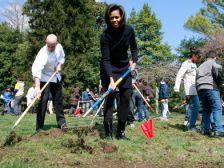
[85,96]
[163,91]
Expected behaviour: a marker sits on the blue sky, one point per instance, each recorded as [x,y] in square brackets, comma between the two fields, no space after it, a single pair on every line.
[172,14]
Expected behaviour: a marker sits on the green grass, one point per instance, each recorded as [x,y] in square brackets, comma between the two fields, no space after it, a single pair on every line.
[172,146]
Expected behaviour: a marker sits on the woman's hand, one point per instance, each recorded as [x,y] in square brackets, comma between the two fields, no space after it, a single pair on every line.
[132,65]
[112,85]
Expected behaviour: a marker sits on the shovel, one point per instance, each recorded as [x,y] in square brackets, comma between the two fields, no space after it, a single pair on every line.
[107,92]
[27,109]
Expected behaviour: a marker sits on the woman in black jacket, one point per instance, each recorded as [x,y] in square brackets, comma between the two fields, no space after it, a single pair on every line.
[115,42]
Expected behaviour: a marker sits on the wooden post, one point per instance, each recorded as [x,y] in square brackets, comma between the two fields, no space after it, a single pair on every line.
[157,100]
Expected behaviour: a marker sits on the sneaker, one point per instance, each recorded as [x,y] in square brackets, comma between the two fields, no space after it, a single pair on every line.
[219,134]
[108,137]
[163,119]
[132,125]
[185,123]
[192,130]
[121,136]
[64,127]
[40,130]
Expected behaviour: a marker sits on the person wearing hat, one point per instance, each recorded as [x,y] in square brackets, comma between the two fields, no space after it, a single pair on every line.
[48,60]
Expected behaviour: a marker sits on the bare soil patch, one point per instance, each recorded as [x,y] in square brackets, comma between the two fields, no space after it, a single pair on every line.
[12,139]
[2,153]
[109,148]
[53,133]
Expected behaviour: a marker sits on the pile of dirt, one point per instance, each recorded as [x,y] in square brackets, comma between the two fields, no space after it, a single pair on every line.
[53,133]
[78,145]
[2,153]
[12,139]
[81,129]
[109,148]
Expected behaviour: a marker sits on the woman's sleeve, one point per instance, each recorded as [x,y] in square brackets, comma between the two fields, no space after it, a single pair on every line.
[105,51]
[133,46]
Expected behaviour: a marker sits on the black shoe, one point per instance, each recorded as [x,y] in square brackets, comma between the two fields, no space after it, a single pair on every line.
[39,130]
[121,136]
[108,137]
[212,127]
[120,131]
[64,127]
[219,134]
[108,128]
[206,133]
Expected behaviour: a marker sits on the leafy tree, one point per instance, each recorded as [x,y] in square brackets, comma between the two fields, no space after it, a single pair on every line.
[185,45]
[202,24]
[9,39]
[209,19]
[149,36]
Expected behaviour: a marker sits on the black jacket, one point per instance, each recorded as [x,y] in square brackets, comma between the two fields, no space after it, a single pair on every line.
[114,44]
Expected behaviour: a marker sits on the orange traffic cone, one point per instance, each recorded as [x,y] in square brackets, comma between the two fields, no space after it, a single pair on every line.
[147,129]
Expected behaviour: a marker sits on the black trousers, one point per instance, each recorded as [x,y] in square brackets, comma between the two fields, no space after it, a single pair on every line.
[56,90]
[125,94]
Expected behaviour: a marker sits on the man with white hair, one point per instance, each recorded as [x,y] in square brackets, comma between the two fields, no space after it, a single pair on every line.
[48,60]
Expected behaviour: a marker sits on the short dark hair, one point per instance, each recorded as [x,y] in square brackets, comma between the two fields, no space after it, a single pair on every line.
[211,54]
[111,8]
[194,51]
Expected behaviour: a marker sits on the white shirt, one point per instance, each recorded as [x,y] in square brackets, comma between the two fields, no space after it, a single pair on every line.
[31,93]
[46,62]
[187,72]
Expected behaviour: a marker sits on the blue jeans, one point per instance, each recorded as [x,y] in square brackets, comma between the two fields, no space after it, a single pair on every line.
[187,112]
[194,106]
[164,106]
[7,105]
[211,105]
[139,103]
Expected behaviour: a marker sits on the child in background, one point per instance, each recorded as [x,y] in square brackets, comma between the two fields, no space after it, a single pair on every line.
[74,98]
[30,94]
[187,73]
[19,92]
[7,97]
[163,98]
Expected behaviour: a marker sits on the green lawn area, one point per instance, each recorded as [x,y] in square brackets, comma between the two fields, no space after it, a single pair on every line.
[172,146]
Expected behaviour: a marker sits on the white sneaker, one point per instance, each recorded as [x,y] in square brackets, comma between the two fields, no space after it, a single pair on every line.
[163,119]
[185,123]
[132,125]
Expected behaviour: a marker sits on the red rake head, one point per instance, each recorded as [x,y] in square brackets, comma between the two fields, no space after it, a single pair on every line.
[147,129]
